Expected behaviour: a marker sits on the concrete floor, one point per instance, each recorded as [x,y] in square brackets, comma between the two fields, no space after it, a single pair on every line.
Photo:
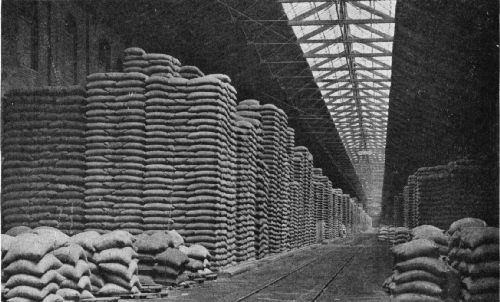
[347,270]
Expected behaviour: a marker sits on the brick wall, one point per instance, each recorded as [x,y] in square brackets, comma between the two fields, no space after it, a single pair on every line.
[54,43]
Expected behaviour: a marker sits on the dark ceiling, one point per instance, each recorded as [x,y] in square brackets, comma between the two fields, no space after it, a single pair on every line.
[444,95]
[218,36]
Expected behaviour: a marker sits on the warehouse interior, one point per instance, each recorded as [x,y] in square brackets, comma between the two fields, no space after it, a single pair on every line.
[227,139]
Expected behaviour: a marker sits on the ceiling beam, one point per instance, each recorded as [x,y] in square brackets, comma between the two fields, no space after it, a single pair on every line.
[363,89]
[312,11]
[334,22]
[375,31]
[355,68]
[349,40]
[354,97]
[369,9]
[305,1]
[352,55]
[357,80]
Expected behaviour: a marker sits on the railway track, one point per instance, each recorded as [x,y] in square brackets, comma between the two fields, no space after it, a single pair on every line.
[295,274]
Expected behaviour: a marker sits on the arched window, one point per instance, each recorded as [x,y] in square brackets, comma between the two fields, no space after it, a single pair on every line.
[104,55]
[71,42]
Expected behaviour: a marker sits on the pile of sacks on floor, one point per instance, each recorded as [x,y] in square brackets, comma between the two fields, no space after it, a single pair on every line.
[165,259]
[44,264]
[40,265]
[420,275]
[474,252]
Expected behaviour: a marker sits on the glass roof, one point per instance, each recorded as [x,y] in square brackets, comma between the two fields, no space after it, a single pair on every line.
[348,46]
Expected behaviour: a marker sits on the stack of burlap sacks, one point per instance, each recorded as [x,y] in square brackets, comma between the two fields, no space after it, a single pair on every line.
[434,234]
[461,264]
[165,259]
[43,162]
[419,274]
[44,264]
[474,252]
[41,265]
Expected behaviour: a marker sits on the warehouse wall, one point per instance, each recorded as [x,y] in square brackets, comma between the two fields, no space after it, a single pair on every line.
[444,95]
[54,43]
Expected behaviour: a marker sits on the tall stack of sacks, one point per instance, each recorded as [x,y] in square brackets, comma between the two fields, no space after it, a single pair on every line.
[471,191]
[419,274]
[271,138]
[401,235]
[137,60]
[284,171]
[115,154]
[199,256]
[30,268]
[289,144]
[326,184]
[246,189]
[433,191]
[43,158]
[294,215]
[117,262]
[434,234]
[474,251]
[330,210]
[249,109]
[316,180]
[206,168]
[298,229]
[166,126]
[86,241]
[303,175]
[336,211]
[190,72]
[345,210]
[406,206]
[413,202]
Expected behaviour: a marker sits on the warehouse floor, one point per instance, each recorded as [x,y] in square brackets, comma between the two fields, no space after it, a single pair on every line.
[349,270]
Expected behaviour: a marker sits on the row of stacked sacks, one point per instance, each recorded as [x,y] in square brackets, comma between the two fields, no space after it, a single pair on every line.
[322,202]
[474,252]
[274,126]
[204,186]
[288,144]
[250,111]
[337,209]
[44,264]
[158,151]
[43,161]
[304,232]
[329,211]
[115,155]
[246,173]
